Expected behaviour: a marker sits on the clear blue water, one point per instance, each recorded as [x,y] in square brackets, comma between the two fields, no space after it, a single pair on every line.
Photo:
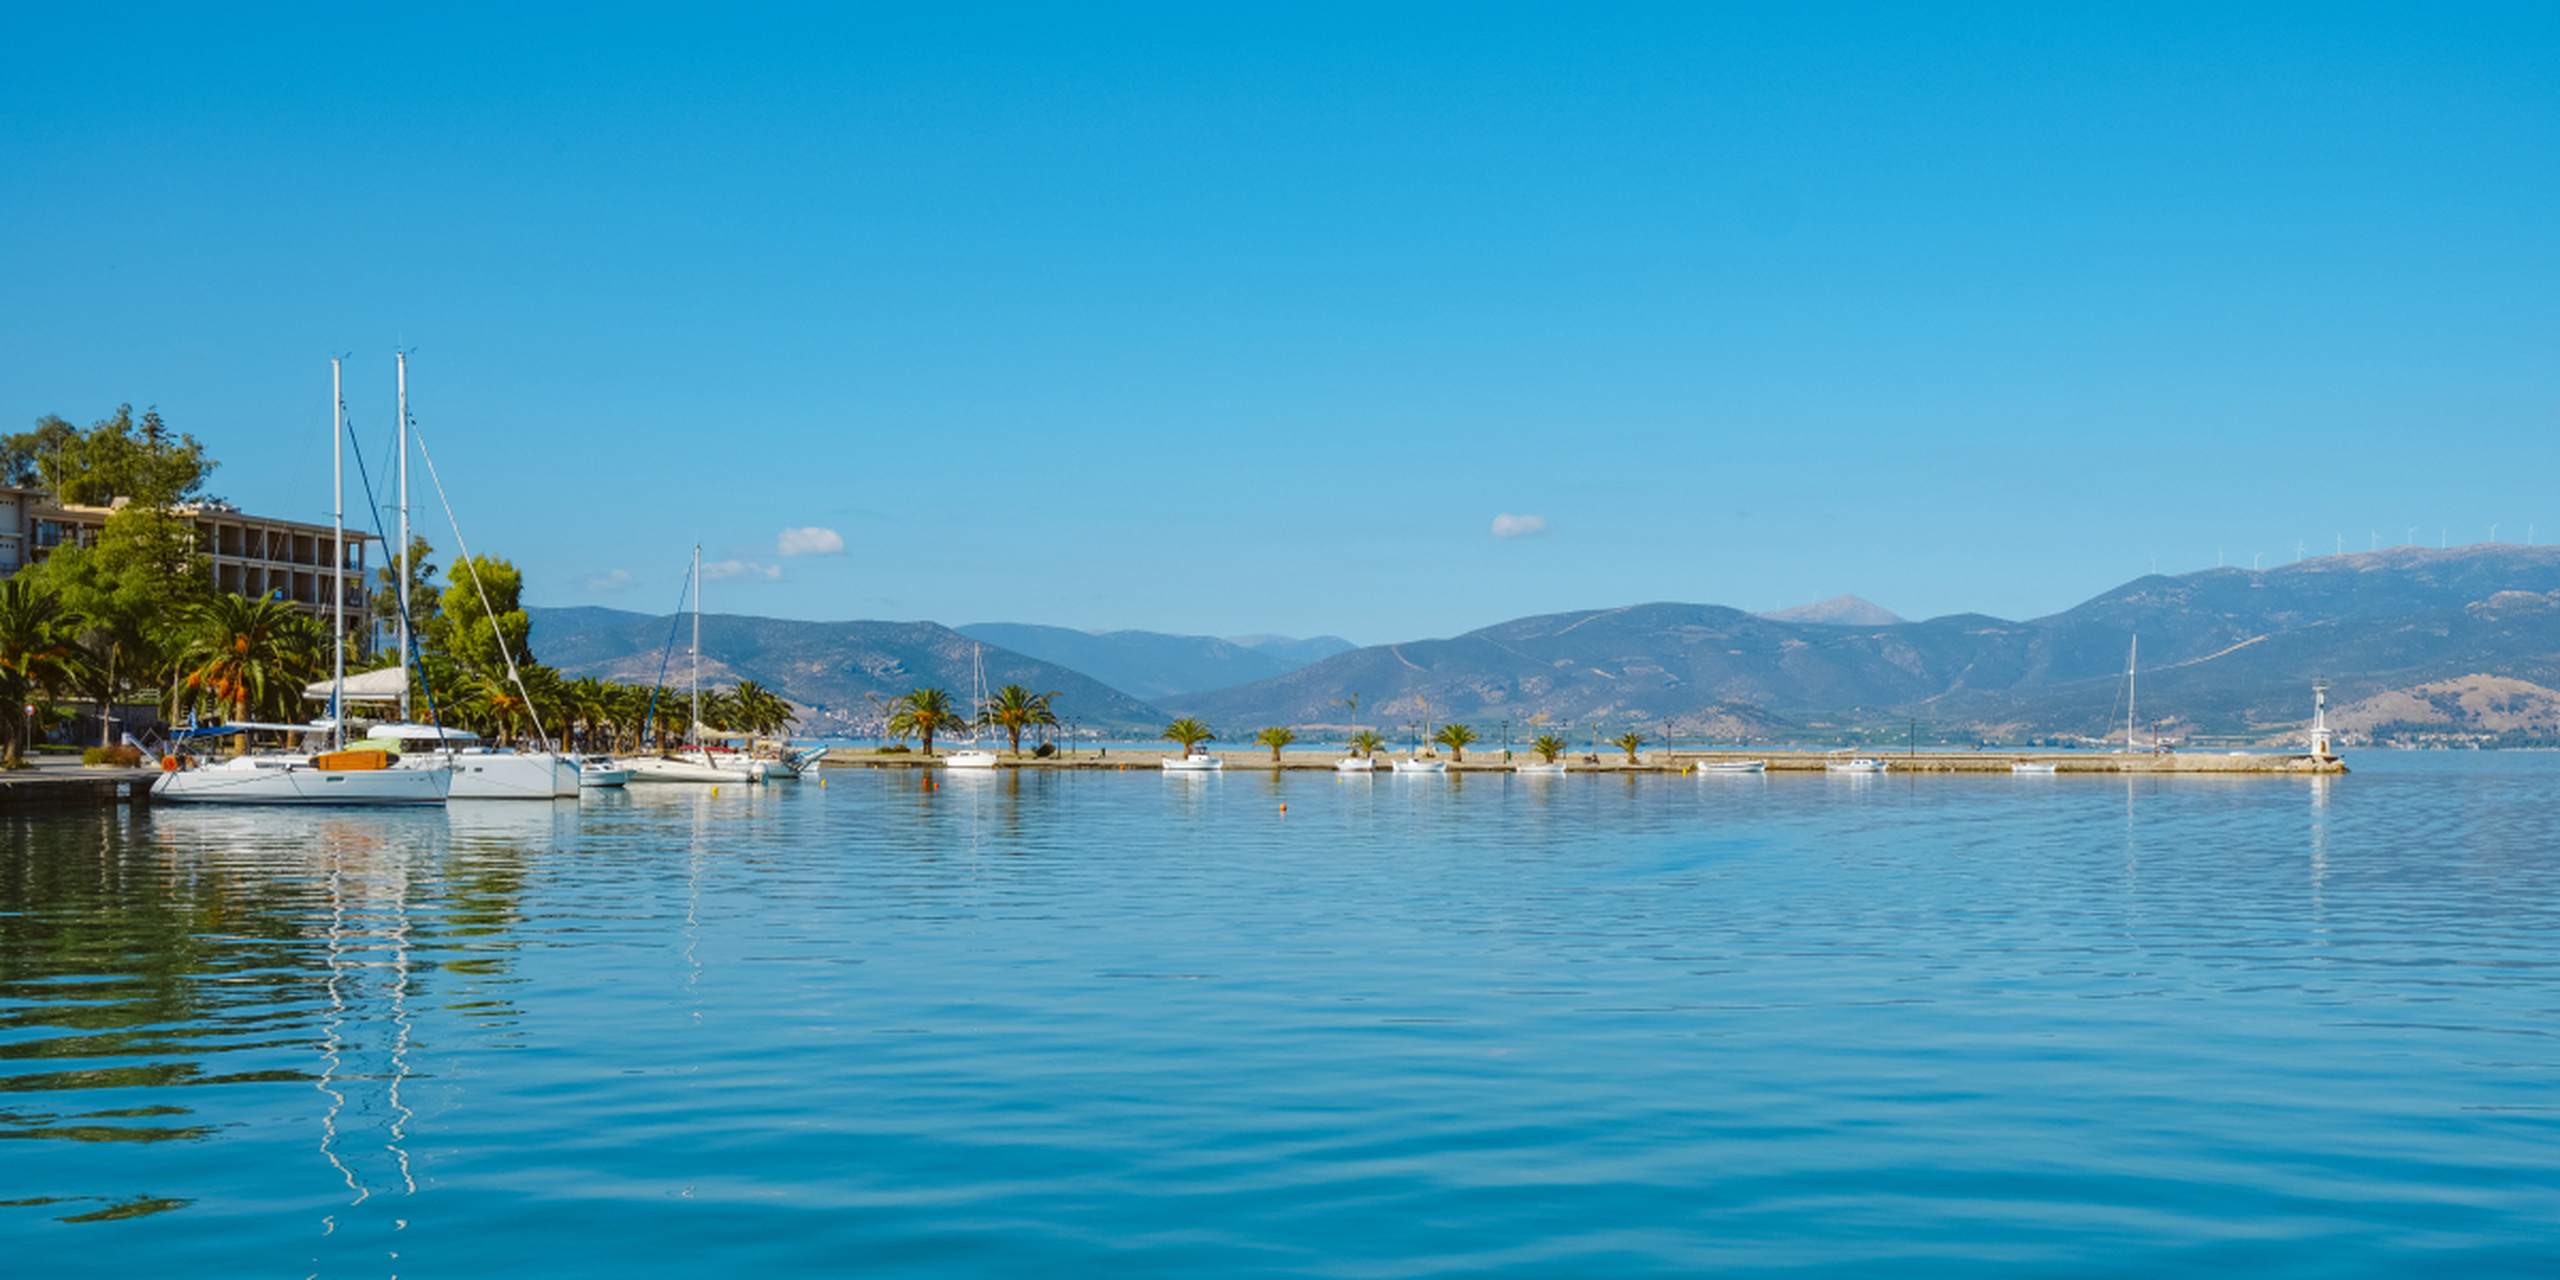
[1123,1024]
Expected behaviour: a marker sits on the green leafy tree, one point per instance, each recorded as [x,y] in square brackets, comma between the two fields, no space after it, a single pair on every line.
[924,713]
[1630,742]
[36,653]
[1276,737]
[1189,732]
[1548,746]
[1013,710]
[1367,743]
[1457,738]
[426,599]
[115,458]
[482,637]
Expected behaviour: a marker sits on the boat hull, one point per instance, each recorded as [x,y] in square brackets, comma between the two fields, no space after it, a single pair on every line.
[1193,764]
[969,760]
[511,775]
[656,769]
[1422,766]
[1540,770]
[299,784]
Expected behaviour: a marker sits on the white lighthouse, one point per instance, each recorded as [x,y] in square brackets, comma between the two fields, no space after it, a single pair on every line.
[2320,718]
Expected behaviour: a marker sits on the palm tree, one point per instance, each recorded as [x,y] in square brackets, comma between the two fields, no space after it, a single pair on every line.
[36,650]
[1275,738]
[1366,743]
[1014,709]
[588,704]
[760,711]
[1629,742]
[1548,746]
[242,651]
[924,713]
[1189,732]
[1455,737]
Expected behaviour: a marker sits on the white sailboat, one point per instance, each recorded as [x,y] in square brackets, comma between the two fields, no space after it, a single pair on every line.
[332,777]
[974,756]
[479,773]
[1418,762]
[695,763]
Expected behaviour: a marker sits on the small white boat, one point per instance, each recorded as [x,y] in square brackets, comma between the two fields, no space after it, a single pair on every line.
[1733,766]
[1546,769]
[295,779]
[970,759]
[1193,764]
[1422,764]
[1863,764]
[2024,766]
[1355,764]
[601,771]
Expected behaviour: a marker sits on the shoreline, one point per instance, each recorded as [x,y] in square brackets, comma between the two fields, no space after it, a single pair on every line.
[1258,760]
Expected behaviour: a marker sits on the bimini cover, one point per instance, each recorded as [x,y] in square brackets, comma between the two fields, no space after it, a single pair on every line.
[386,685]
[422,733]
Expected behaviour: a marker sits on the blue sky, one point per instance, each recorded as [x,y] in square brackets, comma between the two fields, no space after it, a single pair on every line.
[1208,319]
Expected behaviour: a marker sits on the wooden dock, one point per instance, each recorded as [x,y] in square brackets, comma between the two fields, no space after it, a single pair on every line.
[1258,760]
[55,787]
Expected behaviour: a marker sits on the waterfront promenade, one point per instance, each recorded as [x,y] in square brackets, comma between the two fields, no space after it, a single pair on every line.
[1258,759]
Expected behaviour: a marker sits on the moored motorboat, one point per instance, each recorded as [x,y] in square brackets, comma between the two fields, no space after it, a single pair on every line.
[1863,764]
[1422,764]
[1355,764]
[1193,764]
[601,771]
[2031,766]
[1733,766]
[974,758]
[1540,768]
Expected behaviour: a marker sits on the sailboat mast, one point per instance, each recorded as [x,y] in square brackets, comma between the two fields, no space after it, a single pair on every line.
[400,558]
[338,561]
[695,728]
[2130,653]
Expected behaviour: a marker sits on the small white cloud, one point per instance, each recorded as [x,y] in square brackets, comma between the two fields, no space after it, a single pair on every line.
[1511,526]
[741,569]
[610,580]
[812,541]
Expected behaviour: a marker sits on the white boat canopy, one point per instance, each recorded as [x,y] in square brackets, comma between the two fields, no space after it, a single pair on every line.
[420,732]
[387,685]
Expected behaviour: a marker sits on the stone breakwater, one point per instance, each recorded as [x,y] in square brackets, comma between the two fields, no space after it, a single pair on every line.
[1259,760]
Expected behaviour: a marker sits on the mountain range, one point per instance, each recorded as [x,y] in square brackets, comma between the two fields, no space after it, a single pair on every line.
[2416,642]
[1152,664]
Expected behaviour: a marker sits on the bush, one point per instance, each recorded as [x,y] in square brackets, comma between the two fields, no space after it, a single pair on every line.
[896,749]
[1044,750]
[116,757]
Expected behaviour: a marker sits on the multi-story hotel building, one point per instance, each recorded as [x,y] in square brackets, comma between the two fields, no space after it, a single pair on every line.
[249,555]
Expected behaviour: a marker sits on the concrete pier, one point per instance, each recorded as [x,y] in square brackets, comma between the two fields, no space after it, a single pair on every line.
[1258,760]
[51,786]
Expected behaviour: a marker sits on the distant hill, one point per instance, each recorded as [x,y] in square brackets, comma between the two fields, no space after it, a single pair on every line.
[1151,664]
[1838,611]
[829,669]
[1297,653]
[2228,651]
[559,624]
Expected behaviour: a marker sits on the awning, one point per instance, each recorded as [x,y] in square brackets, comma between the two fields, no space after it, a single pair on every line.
[386,685]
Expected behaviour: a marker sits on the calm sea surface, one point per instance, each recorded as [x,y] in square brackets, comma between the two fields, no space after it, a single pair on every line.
[1131,1025]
